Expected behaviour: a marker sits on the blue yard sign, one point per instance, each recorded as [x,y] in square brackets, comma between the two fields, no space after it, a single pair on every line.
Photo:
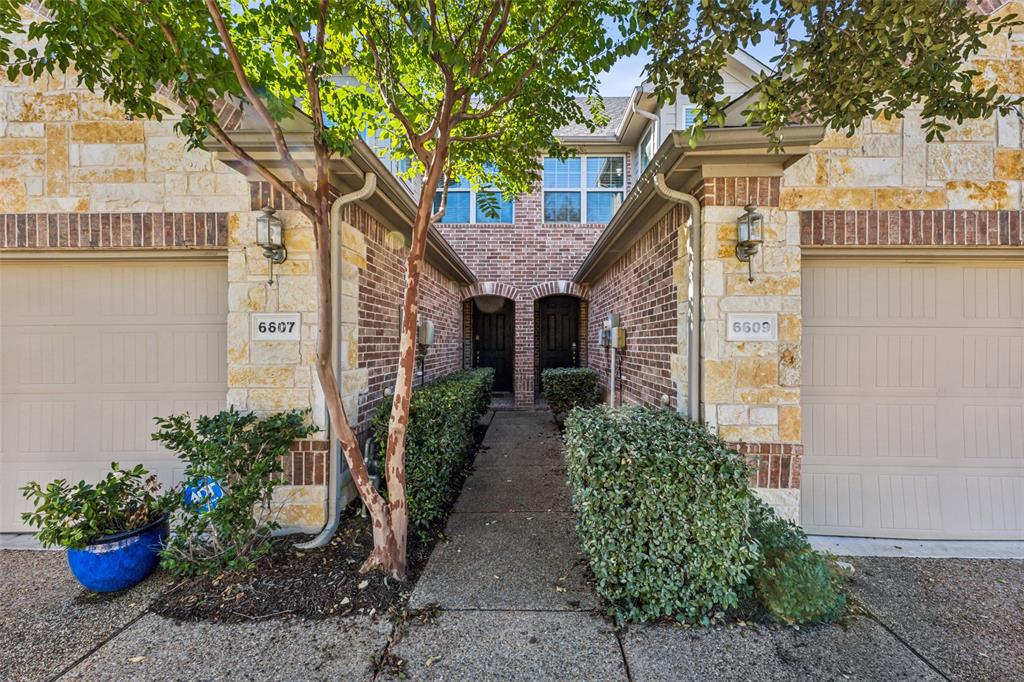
[204,495]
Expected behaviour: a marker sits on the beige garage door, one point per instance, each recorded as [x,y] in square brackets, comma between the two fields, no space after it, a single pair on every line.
[91,351]
[913,398]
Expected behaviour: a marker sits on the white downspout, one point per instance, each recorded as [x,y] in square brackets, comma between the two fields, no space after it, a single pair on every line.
[336,483]
[696,256]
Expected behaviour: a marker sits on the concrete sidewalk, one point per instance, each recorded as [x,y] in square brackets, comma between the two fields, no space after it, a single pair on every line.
[515,603]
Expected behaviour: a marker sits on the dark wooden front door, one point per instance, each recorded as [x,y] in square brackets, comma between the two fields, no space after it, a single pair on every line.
[559,332]
[492,343]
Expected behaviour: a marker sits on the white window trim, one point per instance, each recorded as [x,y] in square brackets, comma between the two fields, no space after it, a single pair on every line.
[652,127]
[472,208]
[582,189]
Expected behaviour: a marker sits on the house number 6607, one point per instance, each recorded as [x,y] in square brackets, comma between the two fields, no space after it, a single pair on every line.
[275,327]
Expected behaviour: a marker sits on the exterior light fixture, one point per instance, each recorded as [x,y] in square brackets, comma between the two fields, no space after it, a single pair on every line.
[749,237]
[270,235]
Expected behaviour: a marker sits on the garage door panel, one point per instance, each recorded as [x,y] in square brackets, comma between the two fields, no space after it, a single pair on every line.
[82,383]
[913,398]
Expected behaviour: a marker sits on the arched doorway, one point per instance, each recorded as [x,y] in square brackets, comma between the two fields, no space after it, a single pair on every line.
[494,338]
[558,335]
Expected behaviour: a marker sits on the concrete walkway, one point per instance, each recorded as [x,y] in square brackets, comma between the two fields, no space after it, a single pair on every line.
[515,603]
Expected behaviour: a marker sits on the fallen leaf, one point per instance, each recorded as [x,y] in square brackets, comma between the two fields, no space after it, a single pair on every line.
[137,659]
[431,661]
[345,601]
[363,585]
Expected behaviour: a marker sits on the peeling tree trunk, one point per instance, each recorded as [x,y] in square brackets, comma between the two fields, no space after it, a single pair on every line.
[399,422]
[384,548]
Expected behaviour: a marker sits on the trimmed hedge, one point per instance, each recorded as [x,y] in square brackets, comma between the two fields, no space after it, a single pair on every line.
[569,387]
[442,416]
[663,512]
[794,583]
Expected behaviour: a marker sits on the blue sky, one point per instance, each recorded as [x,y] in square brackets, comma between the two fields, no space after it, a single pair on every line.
[628,73]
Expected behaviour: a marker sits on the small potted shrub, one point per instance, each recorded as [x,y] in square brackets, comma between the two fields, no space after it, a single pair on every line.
[112,531]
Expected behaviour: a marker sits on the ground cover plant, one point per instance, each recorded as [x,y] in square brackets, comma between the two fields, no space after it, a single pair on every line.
[241,453]
[74,515]
[671,528]
[568,387]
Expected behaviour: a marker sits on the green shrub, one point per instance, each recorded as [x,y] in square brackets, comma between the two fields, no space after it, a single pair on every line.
[663,512]
[442,417]
[569,387]
[794,583]
[242,453]
[73,516]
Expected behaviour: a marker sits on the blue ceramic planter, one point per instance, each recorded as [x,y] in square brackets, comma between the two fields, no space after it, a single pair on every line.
[117,562]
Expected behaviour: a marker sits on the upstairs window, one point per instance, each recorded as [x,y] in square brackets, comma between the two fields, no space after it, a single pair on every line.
[466,205]
[648,146]
[690,115]
[583,189]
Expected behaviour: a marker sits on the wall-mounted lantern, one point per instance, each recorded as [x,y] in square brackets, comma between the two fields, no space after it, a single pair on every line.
[749,237]
[270,235]
[425,337]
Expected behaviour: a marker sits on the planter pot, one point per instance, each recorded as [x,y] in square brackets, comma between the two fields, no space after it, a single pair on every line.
[117,562]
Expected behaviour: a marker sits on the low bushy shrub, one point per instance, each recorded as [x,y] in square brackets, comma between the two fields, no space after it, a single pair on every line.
[75,515]
[793,583]
[568,387]
[663,512]
[442,417]
[241,453]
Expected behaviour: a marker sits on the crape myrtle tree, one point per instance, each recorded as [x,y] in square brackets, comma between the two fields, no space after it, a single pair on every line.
[838,61]
[452,85]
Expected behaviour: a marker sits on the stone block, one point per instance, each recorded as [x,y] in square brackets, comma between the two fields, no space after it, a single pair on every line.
[1008,131]
[789,365]
[22,145]
[249,376]
[130,155]
[275,352]
[826,198]
[960,161]
[789,424]
[897,198]
[790,325]
[170,154]
[13,195]
[757,372]
[991,196]
[247,297]
[887,145]
[719,380]
[732,414]
[764,416]
[296,293]
[883,124]
[42,106]
[763,285]
[770,396]
[93,108]
[107,132]
[865,171]
[279,399]
[746,433]
[1010,164]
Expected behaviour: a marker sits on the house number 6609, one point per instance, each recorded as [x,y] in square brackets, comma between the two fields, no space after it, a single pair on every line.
[751,327]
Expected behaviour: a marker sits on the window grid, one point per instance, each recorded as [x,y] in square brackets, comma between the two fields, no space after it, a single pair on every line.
[568,184]
[465,210]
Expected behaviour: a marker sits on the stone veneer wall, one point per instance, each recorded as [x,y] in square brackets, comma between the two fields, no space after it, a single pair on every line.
[278,375]
[642,288]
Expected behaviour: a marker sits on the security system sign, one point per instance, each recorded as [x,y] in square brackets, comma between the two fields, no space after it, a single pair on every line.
[276,327]
[752,327]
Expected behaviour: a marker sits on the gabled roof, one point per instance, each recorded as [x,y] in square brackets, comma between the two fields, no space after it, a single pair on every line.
[614,108]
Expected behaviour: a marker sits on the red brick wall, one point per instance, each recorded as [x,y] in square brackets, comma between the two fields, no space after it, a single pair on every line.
[524,255]
[113,230]
[381,288]
[640,289]
[944,227]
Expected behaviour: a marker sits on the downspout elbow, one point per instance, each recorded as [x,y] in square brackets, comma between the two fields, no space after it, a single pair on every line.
[692,399]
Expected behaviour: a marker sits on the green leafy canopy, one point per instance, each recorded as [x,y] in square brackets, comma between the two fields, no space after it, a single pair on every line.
[839,60]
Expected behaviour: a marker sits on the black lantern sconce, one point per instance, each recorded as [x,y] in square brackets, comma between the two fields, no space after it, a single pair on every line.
[749,237]
[270,235]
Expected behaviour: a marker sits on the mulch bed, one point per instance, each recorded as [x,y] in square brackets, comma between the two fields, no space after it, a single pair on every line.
[310,584]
